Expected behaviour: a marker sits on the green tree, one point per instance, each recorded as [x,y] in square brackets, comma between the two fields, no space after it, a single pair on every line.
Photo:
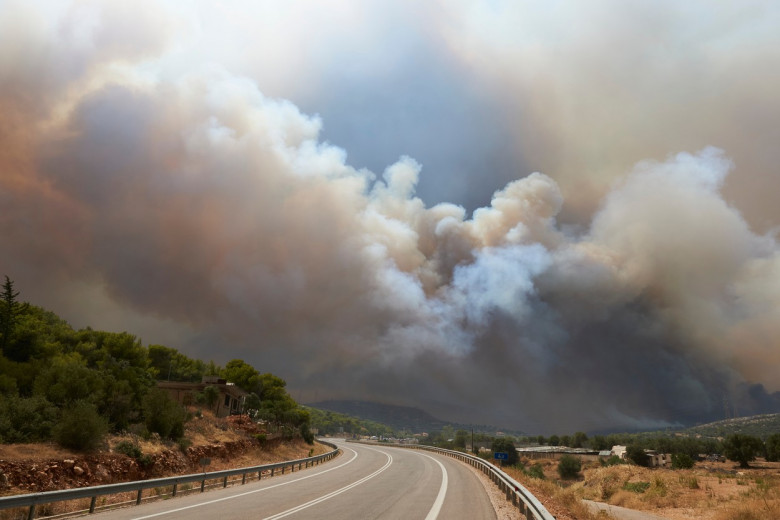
[681,461]
[171,365]
[773,447]
[80,427]
[742,448]
[461,437]
[555,440]
[163,415]
[569,467]
[503,445]
[25,420]
[579,439]
[244,375]
[599,442]
[541,440]
[636,454]
[10,310]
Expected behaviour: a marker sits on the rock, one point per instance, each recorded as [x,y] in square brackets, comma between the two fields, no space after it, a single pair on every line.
[77,470]
[68,461]
[3,480]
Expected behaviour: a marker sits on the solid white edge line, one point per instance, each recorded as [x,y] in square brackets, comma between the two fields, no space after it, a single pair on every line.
[332,494]
[355,455]
[436,508]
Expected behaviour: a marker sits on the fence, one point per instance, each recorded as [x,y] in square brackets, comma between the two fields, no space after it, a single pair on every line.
[33,500]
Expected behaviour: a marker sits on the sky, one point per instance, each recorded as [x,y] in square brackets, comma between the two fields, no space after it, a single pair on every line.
[544,215]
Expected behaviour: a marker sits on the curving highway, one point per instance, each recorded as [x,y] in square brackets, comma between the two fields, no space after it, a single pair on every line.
[365,482]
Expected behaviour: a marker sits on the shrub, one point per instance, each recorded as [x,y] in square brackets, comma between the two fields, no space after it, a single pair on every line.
[569,467]
[681,461]
[637,455]
[128,448]
[614,460]
[183,444]
[80,427]
[26,419]
[503,445]
[536,471]
[636,487]
[773,447]
[163,415]
[307,435]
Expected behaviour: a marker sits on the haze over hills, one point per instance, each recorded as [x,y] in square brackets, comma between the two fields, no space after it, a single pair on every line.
[756,425]
[407,418]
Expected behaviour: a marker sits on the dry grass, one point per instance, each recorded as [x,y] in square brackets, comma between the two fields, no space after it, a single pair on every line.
[712,491]
[707,493]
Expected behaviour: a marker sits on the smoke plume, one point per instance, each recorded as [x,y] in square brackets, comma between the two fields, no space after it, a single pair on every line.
[187,205]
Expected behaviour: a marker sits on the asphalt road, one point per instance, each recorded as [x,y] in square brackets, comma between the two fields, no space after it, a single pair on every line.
[365,482]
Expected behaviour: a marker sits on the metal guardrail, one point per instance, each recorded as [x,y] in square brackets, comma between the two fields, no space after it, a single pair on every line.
[32,500]
[523,499]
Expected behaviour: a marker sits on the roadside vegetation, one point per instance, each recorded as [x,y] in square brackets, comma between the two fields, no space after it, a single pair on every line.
[75,386]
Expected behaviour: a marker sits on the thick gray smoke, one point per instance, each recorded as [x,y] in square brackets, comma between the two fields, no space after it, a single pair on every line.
[194,209]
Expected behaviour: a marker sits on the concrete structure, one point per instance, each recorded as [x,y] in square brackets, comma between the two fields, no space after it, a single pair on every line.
[555,452]
[619,451]
[230,399]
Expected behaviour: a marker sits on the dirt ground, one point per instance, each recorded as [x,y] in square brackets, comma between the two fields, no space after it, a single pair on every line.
[226,443]
[709,491]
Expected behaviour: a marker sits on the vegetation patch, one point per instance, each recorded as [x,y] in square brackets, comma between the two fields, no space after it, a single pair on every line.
[636,487]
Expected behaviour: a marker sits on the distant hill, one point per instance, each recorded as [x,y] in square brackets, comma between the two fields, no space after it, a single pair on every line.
[756,425]
[399,417]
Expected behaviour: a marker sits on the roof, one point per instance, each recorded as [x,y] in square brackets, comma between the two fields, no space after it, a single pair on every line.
[227,388]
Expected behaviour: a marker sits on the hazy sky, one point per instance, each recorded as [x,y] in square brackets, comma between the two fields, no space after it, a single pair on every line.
[548,215]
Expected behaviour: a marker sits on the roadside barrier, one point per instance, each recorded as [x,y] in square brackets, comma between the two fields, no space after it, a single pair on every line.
[32,500]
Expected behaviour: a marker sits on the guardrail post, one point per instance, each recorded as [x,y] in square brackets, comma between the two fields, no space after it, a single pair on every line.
[224,482]
[31,512]
[202,485]
[175,488]
[138,498]
[92,504]
[243,479]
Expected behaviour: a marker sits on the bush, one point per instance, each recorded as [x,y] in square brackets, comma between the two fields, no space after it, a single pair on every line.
[307,435]
[773,447]
[128,448]
[81,427]
[569,467]
[636,487]
[613,460]
[536,471]
[163,415]
[636,454]
[681,461]
[503,445]
[26,419]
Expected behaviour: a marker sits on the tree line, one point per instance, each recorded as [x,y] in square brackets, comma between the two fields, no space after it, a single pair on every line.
[75,386]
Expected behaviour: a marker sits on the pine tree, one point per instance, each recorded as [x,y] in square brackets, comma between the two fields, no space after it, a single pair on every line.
[10,309]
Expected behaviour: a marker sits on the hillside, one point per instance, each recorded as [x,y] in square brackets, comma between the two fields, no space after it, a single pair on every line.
[399,418]
[757,425]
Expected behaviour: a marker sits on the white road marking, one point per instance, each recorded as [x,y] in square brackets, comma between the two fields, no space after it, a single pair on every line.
[355,455]
[436,509]
[334,493]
